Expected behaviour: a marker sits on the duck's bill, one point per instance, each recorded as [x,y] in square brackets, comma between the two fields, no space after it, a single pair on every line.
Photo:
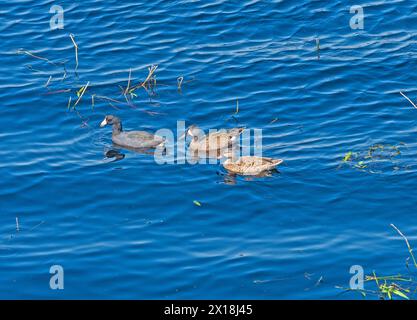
[188,132]
[103,123]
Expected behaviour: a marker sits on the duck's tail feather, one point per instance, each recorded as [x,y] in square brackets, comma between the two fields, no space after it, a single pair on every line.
[276,162]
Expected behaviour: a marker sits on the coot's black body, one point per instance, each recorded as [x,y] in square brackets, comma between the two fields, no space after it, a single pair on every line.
[131,139]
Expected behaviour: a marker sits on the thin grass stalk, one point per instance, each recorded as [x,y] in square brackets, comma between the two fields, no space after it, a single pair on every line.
[410,249]
[76,50]
[409,100]
[81,95]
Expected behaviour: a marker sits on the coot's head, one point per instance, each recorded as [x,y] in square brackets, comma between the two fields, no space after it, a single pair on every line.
[109,120]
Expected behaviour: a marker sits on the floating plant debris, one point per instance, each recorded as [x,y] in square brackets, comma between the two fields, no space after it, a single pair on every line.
[22,51]
[388,287]
[360,165]
[80,94]
[129,92]
[347,156]
[391,286]
[197,203]
[149,82]
[274,120]
[373,158]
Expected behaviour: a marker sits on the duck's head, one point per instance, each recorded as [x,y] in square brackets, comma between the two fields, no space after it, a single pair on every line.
[194,131]
[109,120]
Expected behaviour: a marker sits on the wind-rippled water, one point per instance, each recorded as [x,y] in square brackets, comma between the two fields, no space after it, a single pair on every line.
[130,229]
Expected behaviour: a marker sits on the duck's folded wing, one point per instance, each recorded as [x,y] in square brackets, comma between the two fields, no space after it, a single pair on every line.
[214,142]
[259,163]
[248,163]
[140,135]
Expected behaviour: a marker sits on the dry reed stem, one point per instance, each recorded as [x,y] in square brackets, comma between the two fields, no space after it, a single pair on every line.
[20,51]
[151,71]
[408,99]
[58,91]
[92,101]
[47,82]
[112,105]
[109,99]
[128,82]
[69,102]
[76,50]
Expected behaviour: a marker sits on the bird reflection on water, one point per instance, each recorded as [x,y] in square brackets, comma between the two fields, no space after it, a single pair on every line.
[231,178]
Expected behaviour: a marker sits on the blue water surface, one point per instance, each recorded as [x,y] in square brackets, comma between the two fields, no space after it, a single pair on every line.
[130,228]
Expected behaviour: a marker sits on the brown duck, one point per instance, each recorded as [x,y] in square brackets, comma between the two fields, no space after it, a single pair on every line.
[214,141]
[249,165]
